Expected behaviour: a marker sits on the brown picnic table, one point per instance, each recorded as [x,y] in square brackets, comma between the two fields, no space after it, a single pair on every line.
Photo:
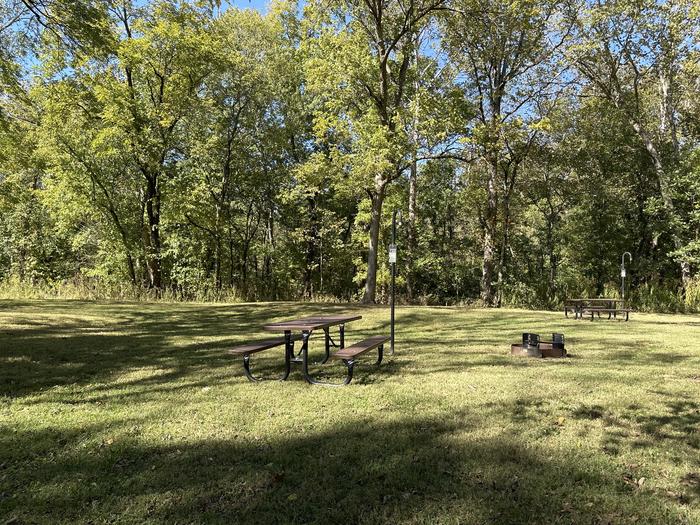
[596,305]
[301,329]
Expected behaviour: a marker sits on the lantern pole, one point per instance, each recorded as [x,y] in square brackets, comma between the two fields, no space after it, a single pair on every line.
[623,274]
[392,260]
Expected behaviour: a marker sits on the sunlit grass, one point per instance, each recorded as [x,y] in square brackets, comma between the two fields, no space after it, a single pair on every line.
[133,413]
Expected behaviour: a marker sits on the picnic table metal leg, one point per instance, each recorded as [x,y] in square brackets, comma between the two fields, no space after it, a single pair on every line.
[246,369]
[341,328]
[380,354]
[326,331]
[305,365]
[305,355]
[288,352]
[296,357]
[350,364]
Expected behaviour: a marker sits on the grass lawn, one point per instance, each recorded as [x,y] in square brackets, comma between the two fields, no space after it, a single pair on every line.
[131,413]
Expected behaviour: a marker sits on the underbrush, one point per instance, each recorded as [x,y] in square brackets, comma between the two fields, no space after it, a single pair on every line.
[93,289]
[648,297]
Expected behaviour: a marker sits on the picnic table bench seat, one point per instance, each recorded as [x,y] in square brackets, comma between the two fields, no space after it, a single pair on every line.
[596,305]
[253,347]
[258,346]
[593,310]
[348,354]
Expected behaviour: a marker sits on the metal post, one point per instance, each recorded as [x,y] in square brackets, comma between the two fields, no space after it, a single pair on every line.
[392,261]
[623,274]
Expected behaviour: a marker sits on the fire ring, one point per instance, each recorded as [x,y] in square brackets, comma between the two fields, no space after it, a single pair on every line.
[533,347]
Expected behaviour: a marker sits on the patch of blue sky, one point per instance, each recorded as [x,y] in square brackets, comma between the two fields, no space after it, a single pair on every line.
[259,5]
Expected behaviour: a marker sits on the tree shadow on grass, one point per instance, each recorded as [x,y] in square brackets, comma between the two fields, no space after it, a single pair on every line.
[411,470]
[184,345]
[183,340]
[676,423]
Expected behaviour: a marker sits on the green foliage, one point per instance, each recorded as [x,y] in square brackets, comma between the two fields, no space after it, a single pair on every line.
[178,149]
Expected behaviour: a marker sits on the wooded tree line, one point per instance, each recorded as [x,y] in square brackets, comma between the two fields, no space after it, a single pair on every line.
[200,150]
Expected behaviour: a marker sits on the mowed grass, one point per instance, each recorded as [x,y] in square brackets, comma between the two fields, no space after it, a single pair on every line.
[133,413]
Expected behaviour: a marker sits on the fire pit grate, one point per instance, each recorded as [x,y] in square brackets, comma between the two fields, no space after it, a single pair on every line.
[533,347]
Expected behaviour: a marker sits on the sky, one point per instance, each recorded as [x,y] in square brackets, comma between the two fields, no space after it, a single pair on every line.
[260,5]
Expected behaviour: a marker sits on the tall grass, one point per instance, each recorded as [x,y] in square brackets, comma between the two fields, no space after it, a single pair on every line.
[648,297]
[95,289]
[655,297]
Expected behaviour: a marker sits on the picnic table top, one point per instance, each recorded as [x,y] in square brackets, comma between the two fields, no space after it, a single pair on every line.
[311,323]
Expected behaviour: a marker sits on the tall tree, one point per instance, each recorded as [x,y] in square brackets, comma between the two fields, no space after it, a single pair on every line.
[631,53]
[506,53]
[371,45]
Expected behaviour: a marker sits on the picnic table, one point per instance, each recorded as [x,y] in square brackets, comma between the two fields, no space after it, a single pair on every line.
[596,305]
[301,329]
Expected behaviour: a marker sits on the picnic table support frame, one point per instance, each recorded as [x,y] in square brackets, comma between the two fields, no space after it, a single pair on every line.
[593,306]
[305,334]
[288,353]
[327,338]
[307,326]
[329,341]
[349,363]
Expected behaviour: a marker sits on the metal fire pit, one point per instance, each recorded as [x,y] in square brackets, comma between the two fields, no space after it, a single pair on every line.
[525,351]
[530,346]
[533,347]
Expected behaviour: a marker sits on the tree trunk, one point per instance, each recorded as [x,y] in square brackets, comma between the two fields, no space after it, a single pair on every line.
[509,186]
[412,205]
[217,263]
[311,238]
[413,181]
[270,240]
[244,265]
[372,252]
[488,267]
[231,259]
[153,250]
[665,189]
[551,255]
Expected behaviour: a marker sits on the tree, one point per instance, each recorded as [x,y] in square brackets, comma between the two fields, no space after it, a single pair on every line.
[631,54]
[506,53]
[362,51]
[136,99]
